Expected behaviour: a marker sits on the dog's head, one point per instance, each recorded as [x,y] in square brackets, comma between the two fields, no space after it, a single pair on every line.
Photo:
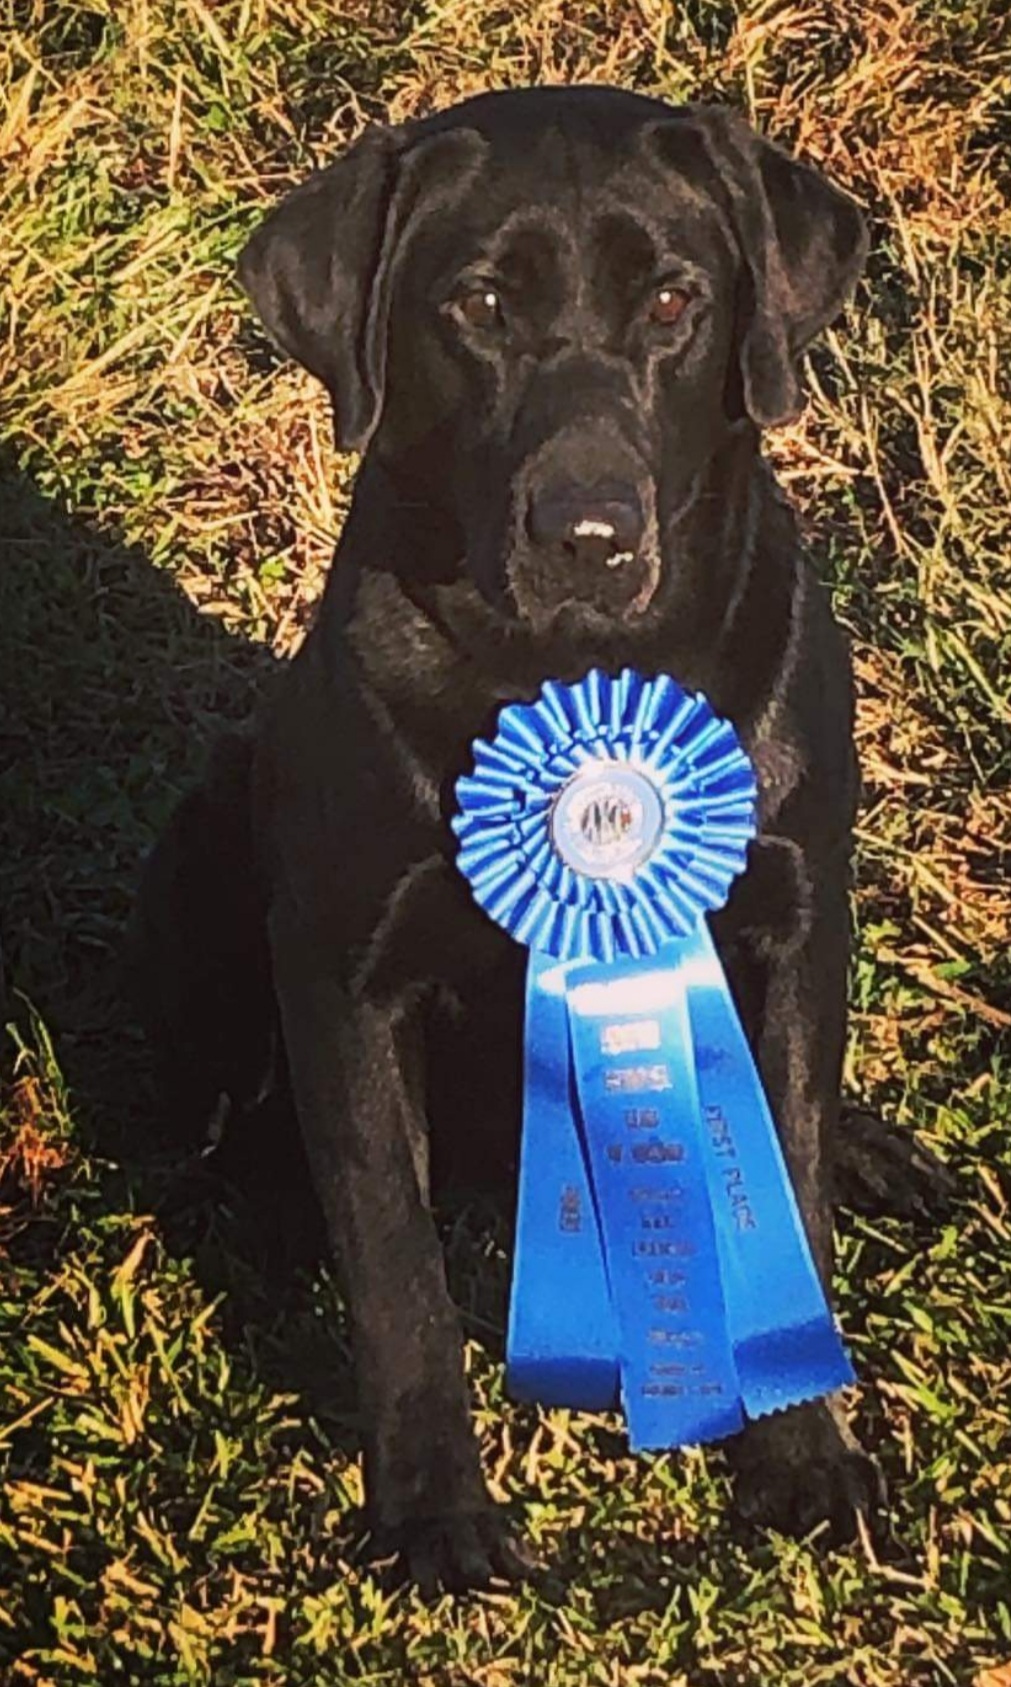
[547,313]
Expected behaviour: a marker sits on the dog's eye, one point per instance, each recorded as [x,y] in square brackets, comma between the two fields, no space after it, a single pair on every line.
[667,305]
[481,307]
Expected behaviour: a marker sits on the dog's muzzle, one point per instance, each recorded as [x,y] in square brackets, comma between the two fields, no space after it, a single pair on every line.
[586,545]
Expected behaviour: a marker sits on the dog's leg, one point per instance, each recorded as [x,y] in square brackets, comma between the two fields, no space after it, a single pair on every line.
[803,1467]
[354,1069]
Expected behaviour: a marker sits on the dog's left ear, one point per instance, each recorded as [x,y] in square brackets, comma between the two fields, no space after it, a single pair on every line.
[803,243]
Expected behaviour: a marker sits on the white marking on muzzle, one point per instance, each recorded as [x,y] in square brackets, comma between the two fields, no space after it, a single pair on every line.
[588,529]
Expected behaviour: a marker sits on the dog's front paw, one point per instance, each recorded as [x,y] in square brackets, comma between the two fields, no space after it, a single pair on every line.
[805,1467]
[455,1551]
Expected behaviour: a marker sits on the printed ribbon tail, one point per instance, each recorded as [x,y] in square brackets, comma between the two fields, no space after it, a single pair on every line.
[562,1344]
[786,1346]
[632,1054]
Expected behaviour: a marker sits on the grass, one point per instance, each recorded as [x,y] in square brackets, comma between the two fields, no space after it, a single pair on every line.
[181,1486]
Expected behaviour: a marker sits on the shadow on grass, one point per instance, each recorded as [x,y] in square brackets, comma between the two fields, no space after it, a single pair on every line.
[113,688]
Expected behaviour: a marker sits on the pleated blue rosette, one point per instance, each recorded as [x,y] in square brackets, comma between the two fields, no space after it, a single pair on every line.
[678,788]
[660,1257]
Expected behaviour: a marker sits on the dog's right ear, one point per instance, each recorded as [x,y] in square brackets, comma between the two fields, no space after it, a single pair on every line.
[316,272]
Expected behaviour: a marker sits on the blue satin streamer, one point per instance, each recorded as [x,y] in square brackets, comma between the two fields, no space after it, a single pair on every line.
[786,1346]
[659,1249]
[562,1343]
[639,1113]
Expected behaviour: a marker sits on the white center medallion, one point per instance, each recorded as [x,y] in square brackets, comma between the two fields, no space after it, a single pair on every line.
[607,820]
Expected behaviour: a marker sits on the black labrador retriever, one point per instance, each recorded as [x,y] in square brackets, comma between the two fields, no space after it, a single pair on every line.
[554,322]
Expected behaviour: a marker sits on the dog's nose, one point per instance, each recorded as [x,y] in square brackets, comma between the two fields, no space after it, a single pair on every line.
[595,524]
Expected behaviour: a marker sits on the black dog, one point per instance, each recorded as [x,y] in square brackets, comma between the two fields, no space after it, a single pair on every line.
[555,322]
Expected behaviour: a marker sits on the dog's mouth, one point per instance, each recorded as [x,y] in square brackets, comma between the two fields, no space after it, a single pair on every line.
[600,583]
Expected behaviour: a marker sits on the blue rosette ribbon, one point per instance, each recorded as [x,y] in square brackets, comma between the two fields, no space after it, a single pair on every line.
[660,1257]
